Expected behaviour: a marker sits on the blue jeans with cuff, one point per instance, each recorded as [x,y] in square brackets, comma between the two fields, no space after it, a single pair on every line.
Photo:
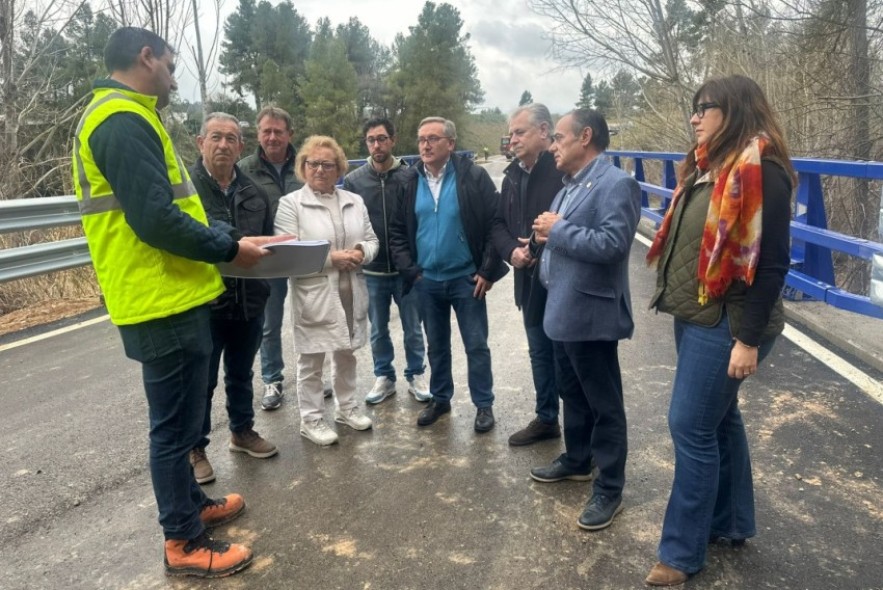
[272,364]
[382,292]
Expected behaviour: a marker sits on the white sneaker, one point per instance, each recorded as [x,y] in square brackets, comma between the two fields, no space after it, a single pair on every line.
[419,389]
[354,418]
[383,388]
[318,432]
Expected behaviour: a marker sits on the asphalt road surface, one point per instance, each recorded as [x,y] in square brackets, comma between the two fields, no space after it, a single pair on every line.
[438,508]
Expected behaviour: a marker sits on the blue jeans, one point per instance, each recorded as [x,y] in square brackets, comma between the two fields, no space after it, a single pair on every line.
[436,301]
[174,355]
[238,341]
[382,291]
[272,364]
[542,366]
[712,493]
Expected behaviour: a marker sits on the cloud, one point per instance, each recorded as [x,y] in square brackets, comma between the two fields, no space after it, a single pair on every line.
[521,40]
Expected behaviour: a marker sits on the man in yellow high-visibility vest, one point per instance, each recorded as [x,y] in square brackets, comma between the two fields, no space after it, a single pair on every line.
[154,253]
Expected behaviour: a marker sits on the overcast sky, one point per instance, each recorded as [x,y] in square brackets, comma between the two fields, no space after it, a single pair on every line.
[507,39]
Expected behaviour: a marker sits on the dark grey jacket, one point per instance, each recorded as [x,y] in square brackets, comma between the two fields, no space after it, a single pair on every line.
[381,193]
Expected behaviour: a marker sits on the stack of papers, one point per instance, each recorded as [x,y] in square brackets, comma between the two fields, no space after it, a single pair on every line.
[292,258]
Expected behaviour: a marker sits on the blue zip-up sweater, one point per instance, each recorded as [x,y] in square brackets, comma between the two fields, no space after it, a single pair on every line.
[442,250]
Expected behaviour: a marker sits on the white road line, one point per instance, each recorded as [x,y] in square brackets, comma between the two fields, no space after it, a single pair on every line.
[836,363]
[839,365]
[57,332]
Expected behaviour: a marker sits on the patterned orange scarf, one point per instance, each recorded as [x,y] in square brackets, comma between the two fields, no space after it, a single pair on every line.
[731,239]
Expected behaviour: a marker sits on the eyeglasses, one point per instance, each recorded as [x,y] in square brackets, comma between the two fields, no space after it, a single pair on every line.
[700,108]
[379,139]
[316,164]
[431,140]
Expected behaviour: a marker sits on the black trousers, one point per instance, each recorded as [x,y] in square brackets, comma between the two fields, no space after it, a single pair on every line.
[590,382]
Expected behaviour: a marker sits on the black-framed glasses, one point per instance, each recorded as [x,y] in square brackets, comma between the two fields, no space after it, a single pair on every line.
[370,140]
[700,108]
[316,164]
[431,140]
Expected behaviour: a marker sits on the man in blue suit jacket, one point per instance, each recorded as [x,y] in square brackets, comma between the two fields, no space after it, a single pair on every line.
[588,235]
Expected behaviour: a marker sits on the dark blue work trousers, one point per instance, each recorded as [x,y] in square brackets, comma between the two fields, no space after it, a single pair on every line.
[174,354]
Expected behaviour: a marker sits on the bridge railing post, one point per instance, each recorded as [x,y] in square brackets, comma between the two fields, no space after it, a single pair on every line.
[639,176]
[811,259]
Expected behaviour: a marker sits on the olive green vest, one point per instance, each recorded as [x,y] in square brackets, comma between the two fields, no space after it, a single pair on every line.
[677,283]
[139,282]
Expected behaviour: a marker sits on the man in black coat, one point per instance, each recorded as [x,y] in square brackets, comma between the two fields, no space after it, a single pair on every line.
[530,183]
[237,316]
[441,245]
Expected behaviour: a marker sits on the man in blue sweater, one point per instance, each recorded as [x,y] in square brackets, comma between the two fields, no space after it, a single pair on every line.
[441,244]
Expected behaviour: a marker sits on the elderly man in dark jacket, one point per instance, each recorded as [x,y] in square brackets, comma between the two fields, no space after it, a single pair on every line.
[272,168]
[380,183]
[529,185]
[238,314]
[441,244]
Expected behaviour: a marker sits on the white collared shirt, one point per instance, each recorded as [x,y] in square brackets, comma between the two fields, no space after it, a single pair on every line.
[435,182]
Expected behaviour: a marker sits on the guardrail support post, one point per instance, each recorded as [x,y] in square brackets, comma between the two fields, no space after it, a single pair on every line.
[811,259]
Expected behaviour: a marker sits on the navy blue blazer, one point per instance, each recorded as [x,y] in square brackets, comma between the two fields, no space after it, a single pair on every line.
[584,265]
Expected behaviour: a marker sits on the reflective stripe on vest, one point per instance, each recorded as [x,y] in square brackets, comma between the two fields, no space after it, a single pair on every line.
[139,282]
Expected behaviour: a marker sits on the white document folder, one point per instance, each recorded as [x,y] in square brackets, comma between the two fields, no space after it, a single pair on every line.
[292,258]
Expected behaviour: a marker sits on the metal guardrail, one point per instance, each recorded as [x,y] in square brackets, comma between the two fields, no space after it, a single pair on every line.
[812,243]
[19,215]
[31,214]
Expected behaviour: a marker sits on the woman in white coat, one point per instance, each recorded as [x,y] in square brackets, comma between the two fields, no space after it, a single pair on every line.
[329,308]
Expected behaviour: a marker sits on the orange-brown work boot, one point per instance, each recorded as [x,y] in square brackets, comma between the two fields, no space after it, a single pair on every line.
[220,511]
[205,557]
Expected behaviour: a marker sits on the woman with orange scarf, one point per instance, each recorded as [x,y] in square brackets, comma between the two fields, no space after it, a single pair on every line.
[722,253]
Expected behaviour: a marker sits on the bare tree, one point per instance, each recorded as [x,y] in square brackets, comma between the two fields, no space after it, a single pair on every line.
[205,59]
[22,86]
[652,41]
[166,18]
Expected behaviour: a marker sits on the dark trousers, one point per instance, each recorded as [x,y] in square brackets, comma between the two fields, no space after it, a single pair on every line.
[542,367]
[174,355]
[594,414]
[238,342]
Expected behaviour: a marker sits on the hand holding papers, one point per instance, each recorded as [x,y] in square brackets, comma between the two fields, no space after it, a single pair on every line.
[288,258]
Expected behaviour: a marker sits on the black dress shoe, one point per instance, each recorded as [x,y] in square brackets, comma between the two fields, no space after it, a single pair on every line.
[433,412]
[715,540]
[599,512]
[484,419]
[557,472]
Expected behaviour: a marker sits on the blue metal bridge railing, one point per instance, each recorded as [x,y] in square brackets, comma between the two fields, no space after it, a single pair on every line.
[812,243]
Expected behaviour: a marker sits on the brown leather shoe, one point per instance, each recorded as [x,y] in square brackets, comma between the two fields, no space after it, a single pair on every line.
[202,469]
[222,510]
[249,441]
[536,431]
[205,557]
[663,575]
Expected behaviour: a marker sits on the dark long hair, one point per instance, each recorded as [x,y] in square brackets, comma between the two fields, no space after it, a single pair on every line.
[747,113]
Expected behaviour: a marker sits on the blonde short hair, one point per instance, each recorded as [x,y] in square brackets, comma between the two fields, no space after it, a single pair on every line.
[311,144]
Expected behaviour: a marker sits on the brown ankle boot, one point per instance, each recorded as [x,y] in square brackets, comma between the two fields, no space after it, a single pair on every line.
[222,510]
[205,557]
[663,575]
